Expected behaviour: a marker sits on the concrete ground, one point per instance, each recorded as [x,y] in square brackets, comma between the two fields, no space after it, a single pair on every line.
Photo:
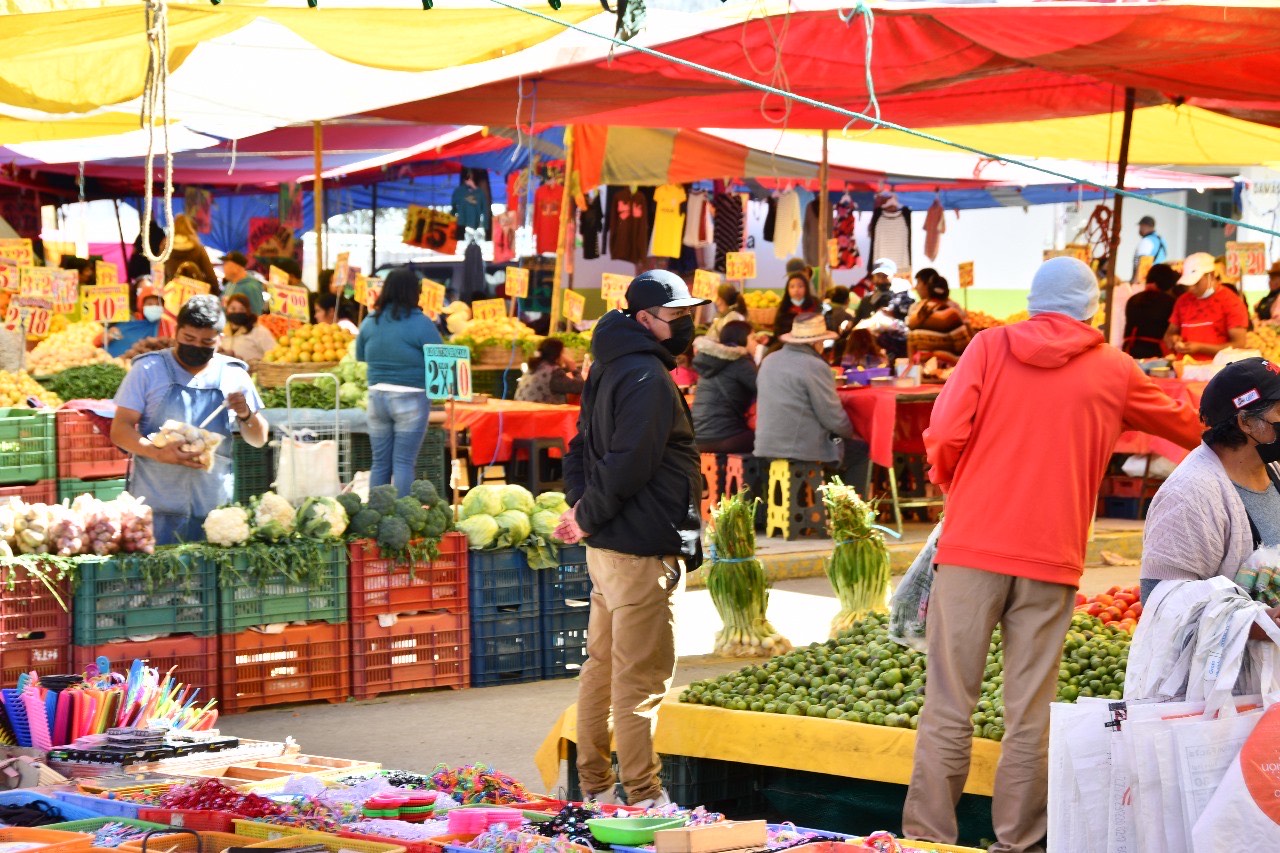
[503,726]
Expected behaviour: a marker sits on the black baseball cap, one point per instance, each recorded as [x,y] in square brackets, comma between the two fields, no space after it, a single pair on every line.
[235,258]
[1237,386]
[660,289]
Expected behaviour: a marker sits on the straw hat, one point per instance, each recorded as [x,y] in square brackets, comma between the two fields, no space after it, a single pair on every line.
[808,329]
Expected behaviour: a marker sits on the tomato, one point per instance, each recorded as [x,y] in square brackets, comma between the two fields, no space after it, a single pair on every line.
[1129,614]
[1080,599]
[1106,600]
[1137,609]
[1114,612]
[1094,609]
[1114,590]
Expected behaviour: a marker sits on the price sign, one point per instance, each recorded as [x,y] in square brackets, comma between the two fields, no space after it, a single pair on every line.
[106,273]
[705,284]
[38,322]
[277,276]
[362,290]
[613,289]
[966,274]
[289,300]
[489,309]
[181,289]
[66,292]
[431,300]
[157,276]
[1250,258]
[8,278]
[575,304]
[517,283]
[1145,263]
[18,251]
[833,253]
[1079,251]
[372,291]
[448,372]
[36,283]
[107,303]
[740,266]
[342,270]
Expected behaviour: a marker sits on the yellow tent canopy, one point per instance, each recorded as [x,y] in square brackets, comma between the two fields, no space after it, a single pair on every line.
[16,131]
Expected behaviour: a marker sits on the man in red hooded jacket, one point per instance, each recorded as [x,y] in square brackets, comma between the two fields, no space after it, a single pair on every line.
[1019,441]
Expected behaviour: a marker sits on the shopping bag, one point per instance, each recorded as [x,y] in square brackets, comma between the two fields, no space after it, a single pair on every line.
[1079,774]
[1244,811]
[1203,751]
[308,468]
[909,606]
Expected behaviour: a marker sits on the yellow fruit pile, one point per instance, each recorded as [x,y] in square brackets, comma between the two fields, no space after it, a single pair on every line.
[15,388]
[1265,338]
[979,320]
[1017,318]
[762,299]
[504,330]
[71,347]
[307,344]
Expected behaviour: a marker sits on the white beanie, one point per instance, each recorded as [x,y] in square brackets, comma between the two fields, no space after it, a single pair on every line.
[1064,285]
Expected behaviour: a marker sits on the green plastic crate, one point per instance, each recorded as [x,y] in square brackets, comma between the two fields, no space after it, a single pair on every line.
[431,458]
[27,449]
[241,607]
[254,469]
[491,382]
[104,490]
[112,602]
[91,825]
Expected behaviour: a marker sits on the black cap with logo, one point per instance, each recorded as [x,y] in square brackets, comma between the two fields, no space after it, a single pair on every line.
[1236,387]
[659,289]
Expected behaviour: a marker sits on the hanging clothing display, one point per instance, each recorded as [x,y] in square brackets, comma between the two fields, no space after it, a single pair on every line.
[668,221]
[770,219]
[628,225]
[590,222]
[730,223]
[788,226]
[473,281]
[815,242]
[845,226]
[546,216]
[470,204]
[504,236]
[935,226]
[518,193]
[891,236]
[699,229]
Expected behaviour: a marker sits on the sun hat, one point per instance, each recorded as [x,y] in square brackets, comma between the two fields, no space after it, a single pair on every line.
[808,329]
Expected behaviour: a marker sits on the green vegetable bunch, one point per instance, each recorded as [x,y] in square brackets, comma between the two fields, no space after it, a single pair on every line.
[496,517]
[736,582]
[408,528]
[859,566]
[306,395]
[89,382]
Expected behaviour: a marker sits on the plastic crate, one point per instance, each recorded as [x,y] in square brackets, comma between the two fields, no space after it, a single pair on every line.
[30,610]
[242,606]
[103,490]
[303,664]
[1130,487]
[207,841]
[568,586]
[1130,508]
[429,466]
[502,584]
[27,449]
[43,492]
[210,825]
[380,585]
[23,797]
[415,653]
[332,843]
[44,657]
[45,840]
[505,650]
[253,467]
[564,642]
[108,810]
[112,601]
[84,451]
[195,659]
[90,826]
[270,831]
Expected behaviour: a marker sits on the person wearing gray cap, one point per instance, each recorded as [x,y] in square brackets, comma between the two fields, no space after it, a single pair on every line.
[1151,245]
[633,481]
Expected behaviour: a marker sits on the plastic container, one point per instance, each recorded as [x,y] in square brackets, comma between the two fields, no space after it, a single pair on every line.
[253,469]
[49,840]
[269,831]
[90,826]
[304,664]
[242,606]
[207,841]
[568,586]
[472,821]
[108,809]
[195,659]
[564,642]
[380,585]
[24,797]
[864,375]
[418,652]
[505,650]
[43,492]
[431,458]
[113,602]
[210,824]
[27,449]
[84,451]
[45,656]
[332,843]
[29,610]
[502,584]
[103,490]
[429,846]
[630,830]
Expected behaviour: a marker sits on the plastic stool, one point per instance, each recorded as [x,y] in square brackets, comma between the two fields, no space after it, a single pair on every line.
[735,474]
[538,469]
[712,482]
[795,505]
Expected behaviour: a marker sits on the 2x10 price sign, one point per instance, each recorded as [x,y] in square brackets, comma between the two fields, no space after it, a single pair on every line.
[448,372]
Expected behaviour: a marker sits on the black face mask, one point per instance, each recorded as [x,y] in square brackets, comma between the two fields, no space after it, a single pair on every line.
[1270,453]
[194,356]
[681,335]
[239,318]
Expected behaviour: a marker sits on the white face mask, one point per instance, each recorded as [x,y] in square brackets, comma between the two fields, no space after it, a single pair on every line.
[1207,293]
[152,312]
[797,302]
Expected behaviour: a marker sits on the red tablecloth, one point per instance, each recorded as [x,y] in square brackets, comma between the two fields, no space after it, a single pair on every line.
[889,418]
[1143,443]
[496,424]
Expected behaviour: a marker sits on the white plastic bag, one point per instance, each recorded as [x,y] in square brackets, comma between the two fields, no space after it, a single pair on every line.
[1079,774]
[307,469]
[1153,466]
[1244,812]
[909,606]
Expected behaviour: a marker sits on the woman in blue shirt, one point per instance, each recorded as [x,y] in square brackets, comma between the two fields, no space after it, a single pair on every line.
[390,342]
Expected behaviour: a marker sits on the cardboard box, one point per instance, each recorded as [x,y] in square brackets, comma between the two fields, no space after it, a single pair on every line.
[713,838]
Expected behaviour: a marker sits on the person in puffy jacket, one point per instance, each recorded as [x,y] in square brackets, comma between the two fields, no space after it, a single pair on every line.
[726,390]
[1019,440]
[633,482]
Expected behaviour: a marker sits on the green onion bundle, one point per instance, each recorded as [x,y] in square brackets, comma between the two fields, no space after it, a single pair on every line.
[859,565]
[736,582]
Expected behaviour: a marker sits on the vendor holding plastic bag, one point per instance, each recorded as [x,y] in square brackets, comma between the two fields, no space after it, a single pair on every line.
[187,384]
[1223,502]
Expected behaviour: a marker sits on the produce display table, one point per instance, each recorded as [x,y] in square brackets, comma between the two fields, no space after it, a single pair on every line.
[832,747]
[496,424]
[889,418]
[1142,443]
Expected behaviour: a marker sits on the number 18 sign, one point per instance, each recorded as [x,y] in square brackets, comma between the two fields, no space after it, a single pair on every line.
[448,372]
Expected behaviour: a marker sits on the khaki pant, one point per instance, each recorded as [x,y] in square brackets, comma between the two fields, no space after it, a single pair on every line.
[964,607]
[631,659]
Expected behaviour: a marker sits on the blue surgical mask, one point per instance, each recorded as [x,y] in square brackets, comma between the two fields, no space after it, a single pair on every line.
[153,313]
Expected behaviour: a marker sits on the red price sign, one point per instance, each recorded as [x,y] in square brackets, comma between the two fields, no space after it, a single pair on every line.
[740,266]
[575,305]
[489,309]
[517,283]
[431,300]
[8,278]
[705,284]
[966,274]
[289,300]
[109,304]
[1246,259]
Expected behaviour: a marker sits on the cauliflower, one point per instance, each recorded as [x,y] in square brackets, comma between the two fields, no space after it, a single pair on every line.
[273,517]
[321,518]
[517,497]
[227,526]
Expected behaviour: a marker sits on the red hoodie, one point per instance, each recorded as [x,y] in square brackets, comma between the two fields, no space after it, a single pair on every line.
[1020,438]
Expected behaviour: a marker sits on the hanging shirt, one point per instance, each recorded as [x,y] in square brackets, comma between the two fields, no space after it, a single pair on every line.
[729,225]
[1208,321]
[698,227]
[470,207]
[504,236]
[891,236]
[668,221]
[787,226]
[517,193]
[846,226]
[590,221]
[546,218]
[628,225]
[934,227]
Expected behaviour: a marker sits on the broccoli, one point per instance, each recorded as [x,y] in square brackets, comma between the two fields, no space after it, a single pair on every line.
[437,523]
[382,499]
[350,502]
[365,524]
[413,514]
[424,491]
[393,535]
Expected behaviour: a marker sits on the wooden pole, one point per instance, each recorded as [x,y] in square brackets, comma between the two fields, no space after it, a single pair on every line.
[373,229]
[824,217]
[566,211]
[317,194]
[1122,166]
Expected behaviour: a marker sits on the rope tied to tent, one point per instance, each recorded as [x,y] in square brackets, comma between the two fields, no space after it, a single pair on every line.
[869,22]
[156,91]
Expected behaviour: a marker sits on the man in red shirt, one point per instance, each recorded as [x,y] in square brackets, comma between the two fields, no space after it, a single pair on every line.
[1207,318]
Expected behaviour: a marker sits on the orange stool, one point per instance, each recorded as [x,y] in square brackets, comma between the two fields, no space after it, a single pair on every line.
[712,482]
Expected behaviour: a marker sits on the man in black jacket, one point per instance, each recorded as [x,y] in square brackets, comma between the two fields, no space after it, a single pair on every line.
[632,478]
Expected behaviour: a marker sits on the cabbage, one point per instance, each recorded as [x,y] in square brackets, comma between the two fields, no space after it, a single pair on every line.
[482,500]
[517,497]
[515,525]
[544,524]
[549,500]
[481,530]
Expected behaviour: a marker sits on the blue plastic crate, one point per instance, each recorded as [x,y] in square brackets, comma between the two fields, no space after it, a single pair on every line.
[501,583]
[564,642]
[505,650]
[17,713]
[568,586]
[100,806]
[22,797]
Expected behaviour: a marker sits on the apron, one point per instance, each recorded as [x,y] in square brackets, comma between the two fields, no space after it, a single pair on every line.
[181,497]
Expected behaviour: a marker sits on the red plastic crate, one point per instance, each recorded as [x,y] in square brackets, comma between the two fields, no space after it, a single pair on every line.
[1130,487]
[195,659]
[84,452]
[409,846]
[381,585]
[43,492]
[304,664]
[417,652]
[198,821]
[44,657]
[30,610]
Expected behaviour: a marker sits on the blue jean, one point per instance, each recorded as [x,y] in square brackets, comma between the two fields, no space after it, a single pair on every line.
[397,425]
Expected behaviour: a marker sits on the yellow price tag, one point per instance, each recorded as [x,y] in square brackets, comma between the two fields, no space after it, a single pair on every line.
[8,278]
[181,289]
[277,276]
[342,270]
[705,284]
[431,299]
[289,300]
[18,251]
[613,289]
[106,273]
[362,290]
[966,274]
[107,303]
[740,266]
[575,305]
[489,309]
[833,253]
[1251,258]
[36,282]
[517,283]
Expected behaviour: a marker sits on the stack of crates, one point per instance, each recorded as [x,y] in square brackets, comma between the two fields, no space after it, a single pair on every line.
[431,458]
[253,469]
[409,621]
[87,460]
[35,629]
[564,601]
[27,453]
